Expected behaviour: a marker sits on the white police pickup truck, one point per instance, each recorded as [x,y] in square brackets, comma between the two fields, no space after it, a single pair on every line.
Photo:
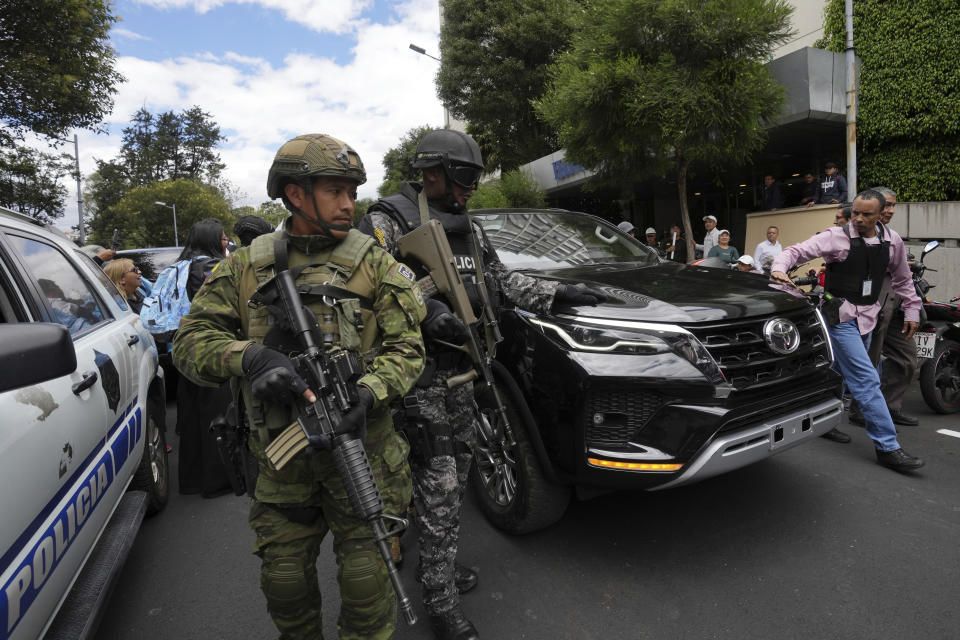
[81,422]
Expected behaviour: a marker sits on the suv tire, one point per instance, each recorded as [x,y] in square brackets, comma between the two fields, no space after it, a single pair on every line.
[508,481]
[153,474]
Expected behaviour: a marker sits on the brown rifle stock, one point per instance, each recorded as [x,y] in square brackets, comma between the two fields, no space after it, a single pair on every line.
[427,244]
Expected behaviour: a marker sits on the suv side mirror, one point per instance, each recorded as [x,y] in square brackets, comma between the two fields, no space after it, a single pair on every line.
[32,352]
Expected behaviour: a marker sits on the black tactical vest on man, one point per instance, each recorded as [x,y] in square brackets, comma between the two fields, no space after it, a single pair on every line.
[403,209]
[863,263]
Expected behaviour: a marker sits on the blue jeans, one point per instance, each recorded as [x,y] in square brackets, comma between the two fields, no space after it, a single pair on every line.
[853,363]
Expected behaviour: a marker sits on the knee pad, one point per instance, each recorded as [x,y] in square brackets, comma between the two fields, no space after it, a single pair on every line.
[284,582]
[363,578]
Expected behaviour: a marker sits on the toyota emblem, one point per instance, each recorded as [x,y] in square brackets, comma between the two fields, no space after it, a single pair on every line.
[781,335]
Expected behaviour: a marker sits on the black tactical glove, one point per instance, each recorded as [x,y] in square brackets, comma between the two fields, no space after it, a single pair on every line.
[441,324]
[577,294]
[355,420]
[271,374]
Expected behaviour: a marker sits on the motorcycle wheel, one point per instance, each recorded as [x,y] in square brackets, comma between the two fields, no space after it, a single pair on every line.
[940,378]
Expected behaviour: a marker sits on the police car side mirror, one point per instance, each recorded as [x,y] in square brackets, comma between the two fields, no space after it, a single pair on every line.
[32,352]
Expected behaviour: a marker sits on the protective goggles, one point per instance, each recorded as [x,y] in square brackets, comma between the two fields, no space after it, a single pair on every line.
[464,176]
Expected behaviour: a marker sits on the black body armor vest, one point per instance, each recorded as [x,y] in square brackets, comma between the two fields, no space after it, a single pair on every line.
[864,262]
[402,208]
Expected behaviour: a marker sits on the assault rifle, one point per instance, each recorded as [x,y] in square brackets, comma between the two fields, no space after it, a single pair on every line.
[332,376]
[428,245]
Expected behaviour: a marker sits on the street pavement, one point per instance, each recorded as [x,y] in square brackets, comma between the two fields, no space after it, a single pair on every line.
[818,542]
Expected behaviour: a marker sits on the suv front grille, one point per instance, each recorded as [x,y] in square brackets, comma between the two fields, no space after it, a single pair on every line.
[622,414]
[746,360]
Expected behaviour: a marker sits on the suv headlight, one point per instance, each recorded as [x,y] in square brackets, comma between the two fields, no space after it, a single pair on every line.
[638,338]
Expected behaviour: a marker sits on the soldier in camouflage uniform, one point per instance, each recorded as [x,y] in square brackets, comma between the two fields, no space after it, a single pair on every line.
[224,338]
[451,165]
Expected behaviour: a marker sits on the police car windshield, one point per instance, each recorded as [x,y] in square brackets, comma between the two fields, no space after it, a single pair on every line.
[544,240]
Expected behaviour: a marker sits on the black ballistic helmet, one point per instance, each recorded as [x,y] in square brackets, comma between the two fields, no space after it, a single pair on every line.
[455,151]
[249,227]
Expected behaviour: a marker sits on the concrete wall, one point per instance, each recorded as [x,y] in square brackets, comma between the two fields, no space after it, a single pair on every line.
[807,22]
[916,222]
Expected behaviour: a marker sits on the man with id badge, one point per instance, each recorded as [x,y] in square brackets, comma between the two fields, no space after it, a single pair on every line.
[857,256]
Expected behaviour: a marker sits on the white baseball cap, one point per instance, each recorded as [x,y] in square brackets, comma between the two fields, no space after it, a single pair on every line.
[723,231]
[650,231]
[746,259]
[710,218]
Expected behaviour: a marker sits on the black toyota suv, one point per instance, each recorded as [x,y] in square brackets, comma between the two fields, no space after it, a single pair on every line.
[683,373]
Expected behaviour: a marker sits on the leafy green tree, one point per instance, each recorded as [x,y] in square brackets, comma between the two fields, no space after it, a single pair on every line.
[651,87]
[143,223]
[489,195]
[272,211]
[30,182]
[156,148]
[494,63]
[56,66]
[398,162]
[513,189]
[171,146]
[908,105]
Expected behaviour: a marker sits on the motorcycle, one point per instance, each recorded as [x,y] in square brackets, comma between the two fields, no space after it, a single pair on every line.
[938,343]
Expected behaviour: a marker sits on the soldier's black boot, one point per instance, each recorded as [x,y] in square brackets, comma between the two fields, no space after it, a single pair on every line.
[452,625]
[464,577]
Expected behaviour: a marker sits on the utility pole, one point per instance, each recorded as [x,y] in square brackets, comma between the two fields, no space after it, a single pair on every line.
[76,159]
[851,60]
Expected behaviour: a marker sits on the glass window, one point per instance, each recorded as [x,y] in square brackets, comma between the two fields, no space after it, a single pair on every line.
[557,240]
[105,280]
[70,299]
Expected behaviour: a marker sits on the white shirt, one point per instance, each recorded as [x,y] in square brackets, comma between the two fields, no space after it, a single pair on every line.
[709,241]
[766,248]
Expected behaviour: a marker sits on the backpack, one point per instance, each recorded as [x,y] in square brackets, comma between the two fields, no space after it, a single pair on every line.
[168,301]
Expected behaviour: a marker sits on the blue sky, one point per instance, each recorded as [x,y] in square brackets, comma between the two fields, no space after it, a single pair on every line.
[268,70]
[247,29]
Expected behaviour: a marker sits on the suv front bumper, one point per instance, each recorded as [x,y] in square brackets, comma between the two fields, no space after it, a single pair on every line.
[731,451]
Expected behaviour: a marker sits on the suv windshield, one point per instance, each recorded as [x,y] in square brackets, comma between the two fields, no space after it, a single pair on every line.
[558,240]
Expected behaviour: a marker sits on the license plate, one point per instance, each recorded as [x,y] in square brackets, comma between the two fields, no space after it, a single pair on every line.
[926,343]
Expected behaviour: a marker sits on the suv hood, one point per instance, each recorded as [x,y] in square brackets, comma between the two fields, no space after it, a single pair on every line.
[678,293]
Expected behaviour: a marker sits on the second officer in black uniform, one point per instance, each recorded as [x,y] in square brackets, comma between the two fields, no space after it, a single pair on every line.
[451,165]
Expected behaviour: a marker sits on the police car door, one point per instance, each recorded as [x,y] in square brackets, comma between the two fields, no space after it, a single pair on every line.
[54,466]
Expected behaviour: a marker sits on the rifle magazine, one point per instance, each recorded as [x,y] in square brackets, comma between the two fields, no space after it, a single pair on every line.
[284,447]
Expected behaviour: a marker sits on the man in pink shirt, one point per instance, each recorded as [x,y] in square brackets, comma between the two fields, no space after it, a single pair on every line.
[857,257]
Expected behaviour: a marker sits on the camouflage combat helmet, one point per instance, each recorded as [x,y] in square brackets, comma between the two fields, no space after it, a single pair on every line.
[455,151]
[310,156]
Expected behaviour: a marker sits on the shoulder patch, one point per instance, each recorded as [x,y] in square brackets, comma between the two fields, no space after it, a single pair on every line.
[406,272]
[381,238]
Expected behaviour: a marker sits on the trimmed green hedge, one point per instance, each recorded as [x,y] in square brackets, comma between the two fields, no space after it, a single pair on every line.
[908,121]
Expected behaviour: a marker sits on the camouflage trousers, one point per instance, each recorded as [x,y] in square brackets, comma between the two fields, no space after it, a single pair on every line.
[438,486]
[288,538]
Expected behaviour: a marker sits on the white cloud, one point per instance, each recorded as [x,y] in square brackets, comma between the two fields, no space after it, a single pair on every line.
[334,16]
[370,102]
[127,33]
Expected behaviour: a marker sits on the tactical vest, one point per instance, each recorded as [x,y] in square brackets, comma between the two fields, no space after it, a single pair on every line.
[335,267]
[406,213]
[864,262]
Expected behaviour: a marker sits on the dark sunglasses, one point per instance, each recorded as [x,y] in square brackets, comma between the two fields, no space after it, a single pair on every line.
[464,176]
